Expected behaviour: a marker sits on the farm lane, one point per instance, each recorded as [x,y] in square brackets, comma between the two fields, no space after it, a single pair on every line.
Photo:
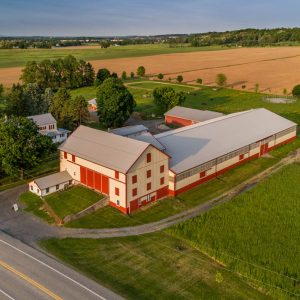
[30,229]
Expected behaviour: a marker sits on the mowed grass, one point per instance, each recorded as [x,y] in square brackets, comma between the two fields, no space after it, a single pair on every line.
[151,85]
[19,57]
[153,266]
[109,217]
[72,200]
[256,234]
[205,98]
[34,205]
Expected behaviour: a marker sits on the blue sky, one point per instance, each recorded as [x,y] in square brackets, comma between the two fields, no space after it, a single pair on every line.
[144,17]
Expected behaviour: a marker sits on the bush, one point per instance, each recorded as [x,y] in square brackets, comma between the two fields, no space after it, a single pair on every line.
[296,91]
[221,79]
[160,76]
[199,80]
[132,75]
[141,71]
[179,78]
[124,75]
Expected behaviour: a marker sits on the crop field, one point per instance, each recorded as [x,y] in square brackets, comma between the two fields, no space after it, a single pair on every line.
[273,69]
[256,234]
[153,266]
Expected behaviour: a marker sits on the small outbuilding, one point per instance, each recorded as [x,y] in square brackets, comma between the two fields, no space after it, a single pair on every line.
[52,183]
[183,116]
[92,104]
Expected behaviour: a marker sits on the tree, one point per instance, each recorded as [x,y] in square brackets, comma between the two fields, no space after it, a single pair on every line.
[141,71]
[179,78]
[166,98]
[221,79]
[160,76]
[132,75]
[285,92]
[78,108]
[60,106]
[296,91]
[21,145]
[199,81]
[102,74]
[104,44]
[1,90]
[114,75]
[115,103]
[256,87]
[124,75]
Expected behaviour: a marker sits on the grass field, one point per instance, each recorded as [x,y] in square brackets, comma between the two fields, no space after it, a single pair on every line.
[72,200]
[256,234]
[108,217]
[205,98]
[151,85]
[19,57]
[153,266]
[34,205]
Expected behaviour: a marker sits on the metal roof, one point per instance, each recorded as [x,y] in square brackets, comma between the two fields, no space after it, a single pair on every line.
[107,149]
[192,114]
[196,144]
[52,180]
[43,119]
[129,130]
[149,138]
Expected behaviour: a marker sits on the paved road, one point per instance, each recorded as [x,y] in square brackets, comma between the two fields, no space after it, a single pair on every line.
[26,273]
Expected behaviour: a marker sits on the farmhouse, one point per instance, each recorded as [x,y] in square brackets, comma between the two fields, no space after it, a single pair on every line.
[48,126]
[139,169]
[92,104]
[183,116]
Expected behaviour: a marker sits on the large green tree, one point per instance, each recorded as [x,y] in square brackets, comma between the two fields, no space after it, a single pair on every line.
[78,109]
[115,103]
[296,91]
[102,74]
[21,146]
[141,71]
[166,98]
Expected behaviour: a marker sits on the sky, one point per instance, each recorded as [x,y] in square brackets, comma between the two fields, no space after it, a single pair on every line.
[144,17]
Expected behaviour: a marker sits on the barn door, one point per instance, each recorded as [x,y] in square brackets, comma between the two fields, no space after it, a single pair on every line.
[90,178]
[105,185]
[264,149]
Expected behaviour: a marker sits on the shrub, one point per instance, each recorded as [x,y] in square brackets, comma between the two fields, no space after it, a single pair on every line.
[296,91]
[160,76]
[221,79]
[179,78]
[132,75]
[124,75]
[199,80]
[141,71]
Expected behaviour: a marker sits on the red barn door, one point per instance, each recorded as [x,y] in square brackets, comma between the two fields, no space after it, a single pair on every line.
[97,181]
[105,185]
[83,175]
[90,178]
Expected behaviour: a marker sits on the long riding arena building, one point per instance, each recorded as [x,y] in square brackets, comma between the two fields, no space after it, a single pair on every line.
[134,172]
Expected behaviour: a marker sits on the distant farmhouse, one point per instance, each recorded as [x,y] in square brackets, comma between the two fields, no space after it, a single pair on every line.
[92,105]
[48,126]
[135,168]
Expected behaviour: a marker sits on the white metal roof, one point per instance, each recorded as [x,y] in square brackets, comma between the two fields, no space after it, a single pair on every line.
[196,144]
[129,130]
[52,180]
[110,150]
[192,114]
[43,119]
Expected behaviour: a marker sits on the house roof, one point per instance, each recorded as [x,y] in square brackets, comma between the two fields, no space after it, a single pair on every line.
[93,101]
[52,180]
[109,150]
[192,114]
[196,144]
[43,119]
[149,138]
[129,130]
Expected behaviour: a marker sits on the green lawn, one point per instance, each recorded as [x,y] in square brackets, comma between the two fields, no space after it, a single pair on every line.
[19,57]
[48,166]
[256,234]
[151,85]
[153,266]
[34,205]
[72,200]
[109,217]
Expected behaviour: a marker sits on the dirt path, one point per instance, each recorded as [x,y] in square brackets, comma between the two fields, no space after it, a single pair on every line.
[30,229]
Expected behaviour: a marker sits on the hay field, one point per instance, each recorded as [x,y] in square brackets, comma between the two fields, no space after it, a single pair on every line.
[274,69]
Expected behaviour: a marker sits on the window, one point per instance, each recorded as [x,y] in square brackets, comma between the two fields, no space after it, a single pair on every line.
[134,192]
[241,156]
[134,179]
[47,190]
[31,187]
[70,182]
[202,174]
[65,155]
[116,174]
[139,202]
[57,186]
[73,158]
[118,202]
[148,186]
[162,169]
[117,191]
[162,180]
[38,191]
[148,173]
[148,157]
